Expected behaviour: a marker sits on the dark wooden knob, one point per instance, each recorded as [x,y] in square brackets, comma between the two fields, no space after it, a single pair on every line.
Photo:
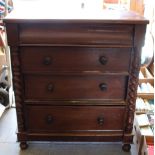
[49,119]
[103,86]
[50,87]
[103,60]
[100,120]
[47,61]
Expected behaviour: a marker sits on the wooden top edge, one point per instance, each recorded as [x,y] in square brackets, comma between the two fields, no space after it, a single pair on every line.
[86,16]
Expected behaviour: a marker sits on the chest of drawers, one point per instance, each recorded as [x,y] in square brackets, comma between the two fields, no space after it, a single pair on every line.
[75,79]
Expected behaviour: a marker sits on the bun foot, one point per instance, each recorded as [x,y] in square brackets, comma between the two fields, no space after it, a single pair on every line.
[23,145]
[126,147]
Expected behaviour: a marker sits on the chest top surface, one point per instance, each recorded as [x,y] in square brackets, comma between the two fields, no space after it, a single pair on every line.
[73,14]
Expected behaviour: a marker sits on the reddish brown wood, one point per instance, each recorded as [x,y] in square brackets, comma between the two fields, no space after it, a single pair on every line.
[84,34]
[23,145]
[12,34]
[74,136]
[126,147]
[78,59]
[18,85]
[73,118]
[134,74]
[61,66]
[74,87]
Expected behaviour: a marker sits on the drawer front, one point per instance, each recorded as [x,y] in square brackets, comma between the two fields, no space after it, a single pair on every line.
[48,59]
[75,87]
[74,33]
[72,118]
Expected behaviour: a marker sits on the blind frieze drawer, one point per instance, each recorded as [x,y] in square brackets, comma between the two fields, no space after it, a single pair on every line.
[75,34]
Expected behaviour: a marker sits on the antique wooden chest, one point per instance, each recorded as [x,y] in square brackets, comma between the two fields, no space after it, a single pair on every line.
[75,78]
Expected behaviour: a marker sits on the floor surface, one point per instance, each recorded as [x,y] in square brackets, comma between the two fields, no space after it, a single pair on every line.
[10,146]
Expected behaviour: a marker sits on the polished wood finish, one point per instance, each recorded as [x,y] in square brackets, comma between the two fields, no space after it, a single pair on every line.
[75,87]
[75,76]
[51,59]
[74,118]
[23,145]
[84,34]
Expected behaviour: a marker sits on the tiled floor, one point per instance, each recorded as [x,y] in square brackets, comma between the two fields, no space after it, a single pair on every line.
[9,146]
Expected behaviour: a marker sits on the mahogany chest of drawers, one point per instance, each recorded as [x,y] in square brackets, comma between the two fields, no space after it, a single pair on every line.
[75,79]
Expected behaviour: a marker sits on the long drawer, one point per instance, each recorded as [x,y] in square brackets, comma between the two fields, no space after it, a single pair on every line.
[48,59]
[74,118]
[74,33]
[46,87]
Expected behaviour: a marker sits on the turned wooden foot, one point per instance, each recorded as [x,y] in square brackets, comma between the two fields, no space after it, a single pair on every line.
[126,147]
[23,145]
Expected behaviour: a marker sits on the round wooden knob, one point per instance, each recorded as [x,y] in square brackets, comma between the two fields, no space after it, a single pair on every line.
[49,119]
[103,60]
[47,61]
[100,120]
[103,86]
[50,87]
